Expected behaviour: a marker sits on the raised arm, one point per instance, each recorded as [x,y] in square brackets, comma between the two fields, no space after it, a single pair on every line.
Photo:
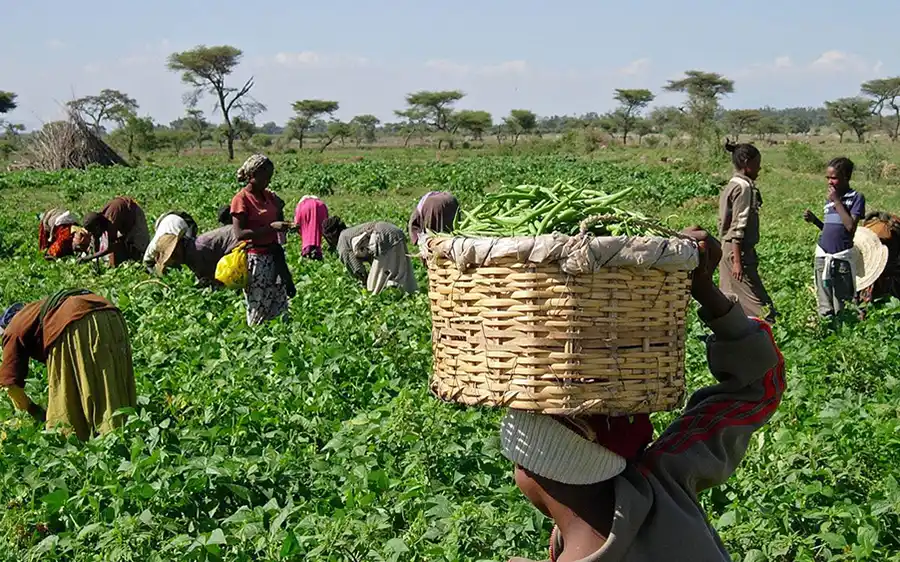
[702,448]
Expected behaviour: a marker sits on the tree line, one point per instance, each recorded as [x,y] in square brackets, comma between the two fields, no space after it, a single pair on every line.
[207,72]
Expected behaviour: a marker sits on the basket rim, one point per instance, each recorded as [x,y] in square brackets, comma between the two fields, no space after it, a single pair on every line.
[580,253]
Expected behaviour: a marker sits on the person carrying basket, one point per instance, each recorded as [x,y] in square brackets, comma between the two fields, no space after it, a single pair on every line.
[614,493]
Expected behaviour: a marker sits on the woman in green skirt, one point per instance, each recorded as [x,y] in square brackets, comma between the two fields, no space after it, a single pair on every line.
[84,342]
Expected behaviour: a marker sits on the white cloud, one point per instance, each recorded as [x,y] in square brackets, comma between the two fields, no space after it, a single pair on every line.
[639,66]
[839,60]
[312,59]
[783,62]
[447,66]
[505,68]
[54,44]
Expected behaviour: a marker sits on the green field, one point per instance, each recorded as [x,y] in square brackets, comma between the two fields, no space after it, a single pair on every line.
[317,439]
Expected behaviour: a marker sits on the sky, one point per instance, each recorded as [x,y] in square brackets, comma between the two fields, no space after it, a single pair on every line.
[555,58]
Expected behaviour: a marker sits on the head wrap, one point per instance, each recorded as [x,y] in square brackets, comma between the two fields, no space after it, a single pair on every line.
[92,220]
[576,451]
[9,313]
[250,167]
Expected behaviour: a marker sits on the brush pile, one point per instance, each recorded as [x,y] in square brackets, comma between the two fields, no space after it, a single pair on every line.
[67,144]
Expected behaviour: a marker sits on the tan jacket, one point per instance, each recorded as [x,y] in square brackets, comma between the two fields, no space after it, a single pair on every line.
[739,212]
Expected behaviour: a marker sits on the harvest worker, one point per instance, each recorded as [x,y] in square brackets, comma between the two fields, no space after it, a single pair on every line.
[84,342]
[379,242]
[844,207]
[614,495]
[119,231]
[887,228]
[254,210]
[176,223]
[200,254]
[435,212]
[57,233]
[309,216]
[739,230]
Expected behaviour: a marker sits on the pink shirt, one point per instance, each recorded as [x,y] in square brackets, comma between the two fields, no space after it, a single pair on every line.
[309,216]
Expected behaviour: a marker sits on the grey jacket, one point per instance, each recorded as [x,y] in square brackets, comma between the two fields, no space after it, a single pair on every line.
[657,515]
[386,236]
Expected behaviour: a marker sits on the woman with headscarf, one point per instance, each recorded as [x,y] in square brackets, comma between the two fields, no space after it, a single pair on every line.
[83,340]
[254,211]
[176,223]
[119,231]
[309,216]
[379,242]
[200,255]
[59,234]
[435,212]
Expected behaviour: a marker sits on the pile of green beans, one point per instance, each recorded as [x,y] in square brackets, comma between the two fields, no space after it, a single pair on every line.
[532,210]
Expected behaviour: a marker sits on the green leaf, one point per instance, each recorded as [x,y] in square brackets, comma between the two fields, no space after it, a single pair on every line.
[216,537]
[56,499]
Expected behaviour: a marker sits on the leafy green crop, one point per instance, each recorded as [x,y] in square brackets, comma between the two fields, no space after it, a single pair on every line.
[318,439]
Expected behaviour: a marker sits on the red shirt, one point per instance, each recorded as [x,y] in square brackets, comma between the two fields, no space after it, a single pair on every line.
[259,212]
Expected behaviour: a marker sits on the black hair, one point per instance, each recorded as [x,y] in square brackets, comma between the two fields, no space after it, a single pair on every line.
[742,154]
[843,166]
[95,222]
[225,215]
[331,230]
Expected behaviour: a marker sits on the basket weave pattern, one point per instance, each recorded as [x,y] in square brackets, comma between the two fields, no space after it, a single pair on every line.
[532,337]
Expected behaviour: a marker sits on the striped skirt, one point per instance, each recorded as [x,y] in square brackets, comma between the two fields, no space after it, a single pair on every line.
[266,299]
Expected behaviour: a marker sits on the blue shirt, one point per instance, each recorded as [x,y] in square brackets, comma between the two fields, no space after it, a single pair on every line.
[834,237]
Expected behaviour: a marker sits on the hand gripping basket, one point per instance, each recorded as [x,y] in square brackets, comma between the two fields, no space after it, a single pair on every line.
[560,324]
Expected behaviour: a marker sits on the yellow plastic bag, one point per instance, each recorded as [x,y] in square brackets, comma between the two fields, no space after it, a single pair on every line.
[232,270]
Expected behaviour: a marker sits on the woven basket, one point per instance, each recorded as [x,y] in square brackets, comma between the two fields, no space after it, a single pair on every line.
[560,325]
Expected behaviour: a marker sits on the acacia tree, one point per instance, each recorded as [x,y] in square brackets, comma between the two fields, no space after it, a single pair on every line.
[363,127]
[740,121]
[205,69]
[108,105]
[7,101]
[855,113]
[199,127]
[704,90]
[632,103]
[136,132]
[520,122]
[308,111]
[336,130]
[436,109]
[885,92]
[667,121]
[473,121]
[414,122]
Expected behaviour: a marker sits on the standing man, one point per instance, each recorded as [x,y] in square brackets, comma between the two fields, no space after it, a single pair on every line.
[835,278]
[739,230]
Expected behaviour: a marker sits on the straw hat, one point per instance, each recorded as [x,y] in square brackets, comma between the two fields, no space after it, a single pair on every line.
[870,257]
[166,252]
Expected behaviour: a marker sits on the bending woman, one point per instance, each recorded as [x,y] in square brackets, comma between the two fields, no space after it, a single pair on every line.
[119,231]
[309,216]
[176,223]
[83,339]
[60,236]
[379,242]
[254,211]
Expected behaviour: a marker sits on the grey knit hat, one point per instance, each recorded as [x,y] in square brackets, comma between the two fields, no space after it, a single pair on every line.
[544,446]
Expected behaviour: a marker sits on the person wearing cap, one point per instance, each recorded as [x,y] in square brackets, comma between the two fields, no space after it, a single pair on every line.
[200,255]
[309,216]
[381,243]
[59,234]
[83,340]
[435,212]
[614,493]
[176,223]
[119,231]
[834,269]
